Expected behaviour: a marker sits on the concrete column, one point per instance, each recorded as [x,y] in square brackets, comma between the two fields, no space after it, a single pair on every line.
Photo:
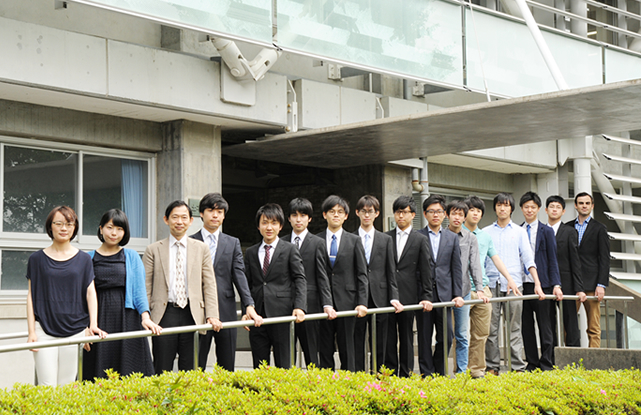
[579,27]
[189,165]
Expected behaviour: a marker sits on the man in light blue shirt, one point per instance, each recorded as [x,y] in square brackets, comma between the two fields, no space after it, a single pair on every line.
[513,246]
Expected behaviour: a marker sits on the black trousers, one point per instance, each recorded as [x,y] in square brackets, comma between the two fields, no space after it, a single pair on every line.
[433,363]
[265,338]
[545,316]
[307,334]
[341,329]
[166,347]
[225,348]
[360,330]
[399,351]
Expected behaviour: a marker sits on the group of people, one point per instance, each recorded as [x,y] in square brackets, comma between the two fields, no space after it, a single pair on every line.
[185,280]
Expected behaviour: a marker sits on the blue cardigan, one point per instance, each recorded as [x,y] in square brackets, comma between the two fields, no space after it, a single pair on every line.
[135,288]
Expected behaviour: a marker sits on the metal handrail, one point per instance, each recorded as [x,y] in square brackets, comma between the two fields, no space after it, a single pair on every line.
[291,319]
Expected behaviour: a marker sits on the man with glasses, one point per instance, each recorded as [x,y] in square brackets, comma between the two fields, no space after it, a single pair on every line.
[414,279]
[447,279]
[347,271]
[381,273]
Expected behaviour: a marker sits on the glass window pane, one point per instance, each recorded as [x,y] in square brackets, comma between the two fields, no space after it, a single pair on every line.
[109,183]
[35,181]
[14,270]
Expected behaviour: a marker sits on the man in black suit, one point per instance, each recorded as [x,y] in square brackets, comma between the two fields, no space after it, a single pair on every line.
[543,244]
[381,273]
[347,271]
[594,251]
[447,278]
[319,296]
[276,278]
[229,270]
[414,279]
[567,251]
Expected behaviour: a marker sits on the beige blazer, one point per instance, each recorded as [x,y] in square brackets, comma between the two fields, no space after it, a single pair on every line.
[201,283]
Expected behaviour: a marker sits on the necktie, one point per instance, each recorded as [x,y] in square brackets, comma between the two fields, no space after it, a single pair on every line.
[266,260]
[212,247]
[368,247]
[179,284]
[529,238]
[297,241]
[333,250]
[401,245]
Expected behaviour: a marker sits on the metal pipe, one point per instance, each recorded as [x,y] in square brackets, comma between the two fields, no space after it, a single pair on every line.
[561,331]
[542,45]
[374,368]
[626,342]
[445,332]
[80,356]
[607,323]
[196,350]
[509,336]
[292,344]
[9,336]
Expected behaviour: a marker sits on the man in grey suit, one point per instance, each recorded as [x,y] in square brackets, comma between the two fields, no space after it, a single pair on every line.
[229,269]
[445,253]
[181,288]
[319,296]
[381,272]
[414,279]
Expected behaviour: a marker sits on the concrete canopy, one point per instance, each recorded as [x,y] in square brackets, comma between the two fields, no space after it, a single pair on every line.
[557,115]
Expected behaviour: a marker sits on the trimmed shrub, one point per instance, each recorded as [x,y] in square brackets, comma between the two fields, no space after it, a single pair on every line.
[314,391]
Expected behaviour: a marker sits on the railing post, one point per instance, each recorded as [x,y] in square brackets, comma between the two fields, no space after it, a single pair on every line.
[607,323]
[372,319]
[445,345]
[560,333]
[509,335]
[626,342]
[80,356]
[196,351]
[292,344]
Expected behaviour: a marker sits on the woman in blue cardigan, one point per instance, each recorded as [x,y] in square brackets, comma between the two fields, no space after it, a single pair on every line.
[122,302]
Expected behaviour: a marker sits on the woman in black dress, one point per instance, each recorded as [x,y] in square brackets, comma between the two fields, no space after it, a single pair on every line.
[122,302]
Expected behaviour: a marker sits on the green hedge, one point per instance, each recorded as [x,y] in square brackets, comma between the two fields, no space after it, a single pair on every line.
[276,391]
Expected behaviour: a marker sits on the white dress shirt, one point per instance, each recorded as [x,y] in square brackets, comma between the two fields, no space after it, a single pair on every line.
[401,240]
[362,233]
[328,239]
[261,252]
[173,248]
[534,228]
[556,227]
[302,236]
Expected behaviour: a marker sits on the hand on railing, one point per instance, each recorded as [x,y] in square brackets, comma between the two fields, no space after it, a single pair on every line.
[582,296]
[215,323]
[559,294]
[147,324]
[32,338]
[251,314]
[599,292]
[539,291]
[427,305]
[361,311]
[93,330]
[299,314]
[331,313]
[511,286]
[458,302]
[398,307]
[481,296]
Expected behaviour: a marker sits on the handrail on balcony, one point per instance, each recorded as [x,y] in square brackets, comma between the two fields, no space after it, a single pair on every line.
[310,317]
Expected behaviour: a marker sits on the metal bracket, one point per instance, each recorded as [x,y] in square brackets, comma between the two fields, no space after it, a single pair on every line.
[292,109]
[59,4]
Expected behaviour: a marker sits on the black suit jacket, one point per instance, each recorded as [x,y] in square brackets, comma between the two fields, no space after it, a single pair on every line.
[284,287]
[447,269]
[567,250]
[348,277]
[314,256]
[545,257]
[229,270]
[594,251]
[413,270]
[381,270]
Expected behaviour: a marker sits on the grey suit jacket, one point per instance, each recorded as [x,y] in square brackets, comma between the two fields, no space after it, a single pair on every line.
[201,283]
[229,268]
[446,269]
[470,262]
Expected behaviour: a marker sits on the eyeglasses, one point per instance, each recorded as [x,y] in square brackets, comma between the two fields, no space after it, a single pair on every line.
[61,224]
[336,212]
[367,211]
[403,212]
[435,212]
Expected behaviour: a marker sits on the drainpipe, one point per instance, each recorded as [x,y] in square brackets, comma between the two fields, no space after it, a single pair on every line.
[421,186]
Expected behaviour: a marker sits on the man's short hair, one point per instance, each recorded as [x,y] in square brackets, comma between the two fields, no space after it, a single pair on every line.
[504,198]
[457,205]
[118,218]
[403,202]
[530,196]
[555,198]
[213,201]
[173,205]
[581,195]
[475,202]
[271,211]
[69,215]
[434,199]
[333,200]
[302,206]
[368,201]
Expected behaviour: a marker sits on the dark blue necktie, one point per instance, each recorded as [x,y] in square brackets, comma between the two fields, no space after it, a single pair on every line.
[333,250]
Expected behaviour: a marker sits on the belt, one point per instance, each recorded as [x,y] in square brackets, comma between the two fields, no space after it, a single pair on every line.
[175,305]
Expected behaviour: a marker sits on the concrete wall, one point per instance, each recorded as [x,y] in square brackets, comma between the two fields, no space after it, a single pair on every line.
[397,181]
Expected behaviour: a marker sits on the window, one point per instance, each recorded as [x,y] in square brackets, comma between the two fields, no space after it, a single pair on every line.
[38,176]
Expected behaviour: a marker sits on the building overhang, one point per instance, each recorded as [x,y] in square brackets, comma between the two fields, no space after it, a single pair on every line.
[551,116]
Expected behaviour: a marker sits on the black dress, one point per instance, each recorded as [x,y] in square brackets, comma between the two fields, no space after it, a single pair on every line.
[123,356]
